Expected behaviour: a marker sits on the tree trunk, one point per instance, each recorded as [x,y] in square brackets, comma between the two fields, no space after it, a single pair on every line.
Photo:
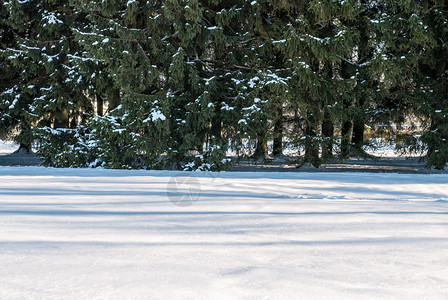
[99,105]
[327,133]
[61,120]
[25,147]
[296,125]
[216,129]
[364,52]
[278,133]
[261,150]
[73,123]
[358,135]
[311,144]
[345,138]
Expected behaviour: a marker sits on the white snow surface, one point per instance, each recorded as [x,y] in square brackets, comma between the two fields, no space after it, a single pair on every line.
[114,234]
[7,147]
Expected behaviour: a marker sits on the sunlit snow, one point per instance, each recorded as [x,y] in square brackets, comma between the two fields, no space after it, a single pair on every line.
[94,233]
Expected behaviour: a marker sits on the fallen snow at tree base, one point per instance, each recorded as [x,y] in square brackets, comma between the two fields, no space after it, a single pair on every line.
[114,234]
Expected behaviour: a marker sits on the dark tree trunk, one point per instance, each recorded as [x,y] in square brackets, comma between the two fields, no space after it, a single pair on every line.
[327,133]
[312,145]
[25,138]
[73,122]
[61,120]
[358,135]
[261,150]
[327,122]
[25,147]
[278,133]
[99,105]
[296,125]
[359,118]
[216,129]
[345,138]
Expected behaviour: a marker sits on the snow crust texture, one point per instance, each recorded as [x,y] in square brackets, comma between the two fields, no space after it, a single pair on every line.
[111,234]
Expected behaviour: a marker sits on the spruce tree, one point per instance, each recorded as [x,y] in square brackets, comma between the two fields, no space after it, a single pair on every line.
[169,65]
[14,116]
[174,84]
[382,66]
[50,91]
[432,81]
[311,40]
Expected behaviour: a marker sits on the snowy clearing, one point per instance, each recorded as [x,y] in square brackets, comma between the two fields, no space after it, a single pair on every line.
[7,147]
[76,233]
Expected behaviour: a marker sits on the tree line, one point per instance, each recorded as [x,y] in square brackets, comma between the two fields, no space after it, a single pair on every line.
[177,83]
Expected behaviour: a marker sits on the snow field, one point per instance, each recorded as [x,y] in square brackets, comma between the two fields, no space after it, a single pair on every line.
[7,147]
[111,234]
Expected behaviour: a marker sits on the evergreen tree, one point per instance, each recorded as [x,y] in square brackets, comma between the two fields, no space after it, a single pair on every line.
[50,91]
[382,64]
[12,106]
[432,81]
[174,84]
[171,71]
[311,40]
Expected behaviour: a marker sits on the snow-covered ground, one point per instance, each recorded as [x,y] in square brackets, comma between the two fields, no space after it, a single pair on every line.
[381,149]
[7,147]
[103,234]
[378,147]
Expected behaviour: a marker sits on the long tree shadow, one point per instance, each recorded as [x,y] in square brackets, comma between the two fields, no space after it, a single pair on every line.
[215,194]
[180,213]
[374,190]
[35,191]
[330,242]
[347,177]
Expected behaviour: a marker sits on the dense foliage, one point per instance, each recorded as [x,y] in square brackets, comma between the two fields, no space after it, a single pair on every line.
[179,83]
